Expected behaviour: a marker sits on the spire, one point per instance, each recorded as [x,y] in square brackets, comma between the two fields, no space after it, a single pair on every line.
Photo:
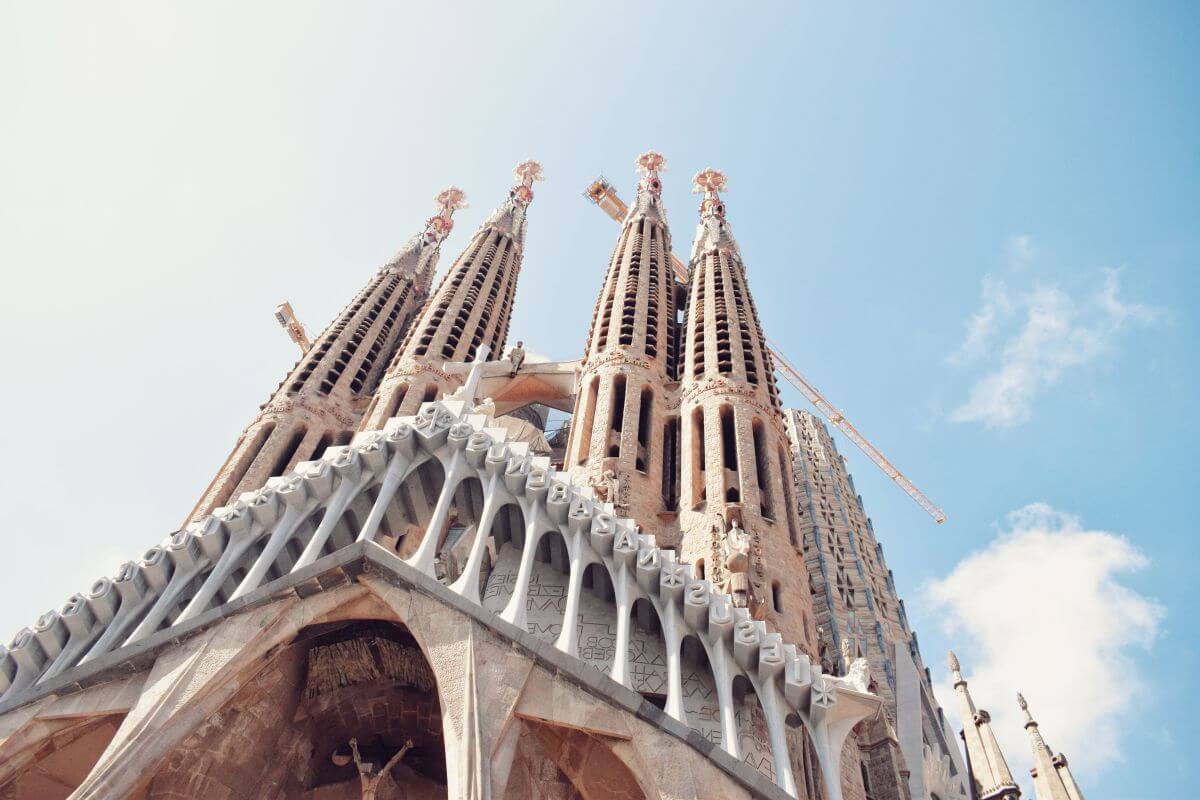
[509,216]
[623,434]
[418,256]
[1052,779]
[993,781]
[648,202]
[737,510]
[471,307]
[714,232]
[955,667]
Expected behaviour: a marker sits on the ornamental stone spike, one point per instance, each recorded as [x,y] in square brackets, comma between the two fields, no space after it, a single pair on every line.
[1052,779]
[955,667]
[993,779]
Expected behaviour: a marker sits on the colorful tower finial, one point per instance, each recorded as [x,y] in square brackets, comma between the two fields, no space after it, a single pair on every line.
[449,200]
[709,182]
[650,164]
[955,667]
[526,172]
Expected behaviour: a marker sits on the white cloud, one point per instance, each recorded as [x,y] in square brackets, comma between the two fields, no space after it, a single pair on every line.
[982,323]
[1020,251]
[1048,331]
[1041,610]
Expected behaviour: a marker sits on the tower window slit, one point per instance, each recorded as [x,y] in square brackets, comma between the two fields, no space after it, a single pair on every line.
[762,467]
[289,452]
[643,435]
[585,432]
[729,456]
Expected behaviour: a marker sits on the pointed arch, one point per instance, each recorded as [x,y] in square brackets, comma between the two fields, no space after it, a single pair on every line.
[701,707]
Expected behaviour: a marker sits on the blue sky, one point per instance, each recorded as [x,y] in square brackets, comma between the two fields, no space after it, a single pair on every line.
[973,227]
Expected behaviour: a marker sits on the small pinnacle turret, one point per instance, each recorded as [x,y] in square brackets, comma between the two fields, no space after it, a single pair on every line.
[1052,778]
[993,780]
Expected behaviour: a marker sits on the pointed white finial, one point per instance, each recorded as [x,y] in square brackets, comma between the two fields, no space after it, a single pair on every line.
[1025,707]
[952,662]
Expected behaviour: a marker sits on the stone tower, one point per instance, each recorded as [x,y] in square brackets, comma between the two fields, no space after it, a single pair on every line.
[471,307]
[1052,778]
[624,441]
[738,511]
[993,781]
[859,614]
[320,401]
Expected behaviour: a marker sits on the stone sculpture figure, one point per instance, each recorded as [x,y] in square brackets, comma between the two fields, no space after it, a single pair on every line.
[366,770]
[737,549]
[516,357]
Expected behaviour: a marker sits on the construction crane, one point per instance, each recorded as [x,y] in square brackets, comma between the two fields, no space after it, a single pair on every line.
[602,193]
[287,320]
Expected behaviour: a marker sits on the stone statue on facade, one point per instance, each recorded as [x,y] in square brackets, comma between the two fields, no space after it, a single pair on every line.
[516,357]
[737,549]
[367,775]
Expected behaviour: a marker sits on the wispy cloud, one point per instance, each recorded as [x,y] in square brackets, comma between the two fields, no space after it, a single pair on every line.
[1045,332]
[1041,610]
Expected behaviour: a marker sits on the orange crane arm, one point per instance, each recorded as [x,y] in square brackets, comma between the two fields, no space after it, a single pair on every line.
[602,193]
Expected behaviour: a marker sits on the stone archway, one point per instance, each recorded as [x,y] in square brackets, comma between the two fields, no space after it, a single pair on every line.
[62,760]
[554,762]
[293,728]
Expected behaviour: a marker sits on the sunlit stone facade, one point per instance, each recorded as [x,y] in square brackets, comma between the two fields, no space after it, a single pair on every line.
[399,587]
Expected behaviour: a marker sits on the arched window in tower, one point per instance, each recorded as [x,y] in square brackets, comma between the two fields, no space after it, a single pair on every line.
[777,597]
[617,417]
[762,470]
[289,452]
[643,435]
[786,476]
[397,399]
[589,418]
[670,464]
[729,456]
[431,393]
[698,457]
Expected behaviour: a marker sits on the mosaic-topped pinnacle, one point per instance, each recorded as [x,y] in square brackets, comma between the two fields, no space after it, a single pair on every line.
[526,172]
[708,182]
[952,662]
[449,200]
[650,163]
[714,232]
